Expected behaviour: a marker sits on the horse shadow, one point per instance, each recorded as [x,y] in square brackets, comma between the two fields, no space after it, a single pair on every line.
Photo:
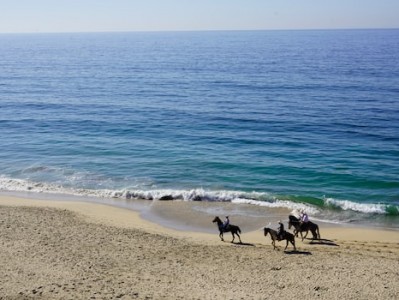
[297,252]
[324,242]
[244,244]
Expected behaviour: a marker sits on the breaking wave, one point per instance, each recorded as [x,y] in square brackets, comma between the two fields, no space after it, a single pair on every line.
[366,208]
[312,206]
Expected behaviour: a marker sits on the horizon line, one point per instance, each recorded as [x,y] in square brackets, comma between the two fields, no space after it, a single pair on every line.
[201,30]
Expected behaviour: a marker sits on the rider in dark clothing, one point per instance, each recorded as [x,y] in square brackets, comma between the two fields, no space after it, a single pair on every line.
[280,231]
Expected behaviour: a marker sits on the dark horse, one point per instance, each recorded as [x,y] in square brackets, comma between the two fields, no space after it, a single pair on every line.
[301,227]
[235,230]
[289,237]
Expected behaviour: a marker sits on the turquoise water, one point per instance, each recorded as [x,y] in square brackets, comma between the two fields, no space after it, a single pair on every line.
[297,119]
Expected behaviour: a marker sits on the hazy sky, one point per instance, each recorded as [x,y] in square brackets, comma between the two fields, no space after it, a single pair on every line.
[161,15]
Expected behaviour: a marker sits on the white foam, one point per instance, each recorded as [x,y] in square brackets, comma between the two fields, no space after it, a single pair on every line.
[368,208]
[20,185]
[279,204]
[253,198]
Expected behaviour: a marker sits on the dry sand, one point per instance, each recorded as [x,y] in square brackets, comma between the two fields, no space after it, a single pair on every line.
[71,250]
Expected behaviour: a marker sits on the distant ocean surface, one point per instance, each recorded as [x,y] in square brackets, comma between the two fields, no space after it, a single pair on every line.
[295,119]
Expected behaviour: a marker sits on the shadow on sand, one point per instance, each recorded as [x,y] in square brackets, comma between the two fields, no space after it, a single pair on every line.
[323,242]
[297,252]
[244,244]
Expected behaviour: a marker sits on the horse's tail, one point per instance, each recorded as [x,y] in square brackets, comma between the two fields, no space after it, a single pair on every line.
[318,232]
[239,230]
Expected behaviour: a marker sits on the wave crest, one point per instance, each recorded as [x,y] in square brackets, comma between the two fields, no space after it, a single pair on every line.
[366,208]
[237,197]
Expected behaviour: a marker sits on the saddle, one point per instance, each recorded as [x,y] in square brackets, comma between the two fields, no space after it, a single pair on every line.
[281,236]
[225,229]
[305,225]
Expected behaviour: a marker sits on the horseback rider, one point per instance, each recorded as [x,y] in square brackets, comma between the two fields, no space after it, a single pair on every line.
[280,231]
[226,223]
[304,217]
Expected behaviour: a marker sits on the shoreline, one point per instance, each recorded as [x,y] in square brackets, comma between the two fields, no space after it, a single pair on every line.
[374,215]
[65,250]
[164,219]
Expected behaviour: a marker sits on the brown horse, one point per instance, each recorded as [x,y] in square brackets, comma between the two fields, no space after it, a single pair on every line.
[301,227]
[289,237]
[235,230]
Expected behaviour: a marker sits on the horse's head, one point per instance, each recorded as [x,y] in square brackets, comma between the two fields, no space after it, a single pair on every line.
[265,230]
[216,220]
[293,219]
[294,222]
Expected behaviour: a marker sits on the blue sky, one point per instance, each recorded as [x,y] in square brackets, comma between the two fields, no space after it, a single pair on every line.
[170,15]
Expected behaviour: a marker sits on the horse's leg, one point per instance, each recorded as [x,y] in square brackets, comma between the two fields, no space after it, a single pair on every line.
[221,236]
[314,234]
[301,235]
[286,245]
[307,231]
[239,238]
[232,233]
[293,243]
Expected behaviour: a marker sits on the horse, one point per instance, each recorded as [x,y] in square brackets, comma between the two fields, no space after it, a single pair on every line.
[289,237]
[300,227]
[235,230]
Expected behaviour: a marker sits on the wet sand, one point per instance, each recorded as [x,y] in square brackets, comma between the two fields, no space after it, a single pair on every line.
[76,250]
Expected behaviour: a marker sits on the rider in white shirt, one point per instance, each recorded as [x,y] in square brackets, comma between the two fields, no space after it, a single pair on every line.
[226,223]
[304,217]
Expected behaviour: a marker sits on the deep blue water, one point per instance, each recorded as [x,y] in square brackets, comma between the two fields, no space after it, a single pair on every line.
[300,119]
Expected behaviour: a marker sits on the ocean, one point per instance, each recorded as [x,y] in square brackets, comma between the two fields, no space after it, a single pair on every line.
[293,119]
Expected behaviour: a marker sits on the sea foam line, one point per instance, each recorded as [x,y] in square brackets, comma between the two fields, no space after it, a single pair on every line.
[237,197]
[311,210]
[367,208]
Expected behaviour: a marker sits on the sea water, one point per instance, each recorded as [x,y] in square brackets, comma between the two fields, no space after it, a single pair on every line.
[296,119]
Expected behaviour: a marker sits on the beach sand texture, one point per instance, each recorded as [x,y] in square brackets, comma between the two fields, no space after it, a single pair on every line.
[61,250]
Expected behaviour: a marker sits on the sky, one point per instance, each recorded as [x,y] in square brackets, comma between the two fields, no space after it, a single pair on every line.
[20,16]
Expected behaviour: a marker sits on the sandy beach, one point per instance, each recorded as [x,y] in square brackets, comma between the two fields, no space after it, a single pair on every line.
[76,250]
